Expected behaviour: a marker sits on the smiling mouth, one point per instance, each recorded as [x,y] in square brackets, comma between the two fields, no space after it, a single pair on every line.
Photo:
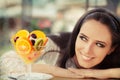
[86,58]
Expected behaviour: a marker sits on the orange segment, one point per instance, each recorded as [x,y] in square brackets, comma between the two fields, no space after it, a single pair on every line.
[23,46]
[22,33]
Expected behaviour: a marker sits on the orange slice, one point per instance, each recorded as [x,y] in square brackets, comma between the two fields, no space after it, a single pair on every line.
[23,46]
[22,33]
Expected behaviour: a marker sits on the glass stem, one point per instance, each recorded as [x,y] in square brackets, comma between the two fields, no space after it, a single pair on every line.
[29,71]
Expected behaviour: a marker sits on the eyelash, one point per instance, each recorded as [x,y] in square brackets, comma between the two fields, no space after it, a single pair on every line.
[100,45]
[85,39]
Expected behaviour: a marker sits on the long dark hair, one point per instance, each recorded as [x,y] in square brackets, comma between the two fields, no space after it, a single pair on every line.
[105,17]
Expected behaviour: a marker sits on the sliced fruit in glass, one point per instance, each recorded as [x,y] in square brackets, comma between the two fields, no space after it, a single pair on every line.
[28,46]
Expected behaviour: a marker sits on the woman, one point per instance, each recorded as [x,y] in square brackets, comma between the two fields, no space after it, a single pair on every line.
[89,34]
[94,44]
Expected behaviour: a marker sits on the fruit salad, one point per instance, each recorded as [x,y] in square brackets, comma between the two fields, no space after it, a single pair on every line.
[29,45]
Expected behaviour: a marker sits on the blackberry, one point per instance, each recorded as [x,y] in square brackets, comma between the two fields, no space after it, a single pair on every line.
[33,36]
[33,42]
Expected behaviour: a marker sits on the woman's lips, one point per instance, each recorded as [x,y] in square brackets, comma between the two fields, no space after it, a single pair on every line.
[86,58]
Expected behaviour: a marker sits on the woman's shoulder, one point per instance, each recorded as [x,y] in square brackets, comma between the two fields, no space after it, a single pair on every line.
[51,45]
[50,53]
[60,39]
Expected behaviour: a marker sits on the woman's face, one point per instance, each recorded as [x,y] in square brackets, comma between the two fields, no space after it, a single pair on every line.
[93,43]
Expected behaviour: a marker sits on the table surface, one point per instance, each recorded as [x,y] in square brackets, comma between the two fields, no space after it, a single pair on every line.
[61,78]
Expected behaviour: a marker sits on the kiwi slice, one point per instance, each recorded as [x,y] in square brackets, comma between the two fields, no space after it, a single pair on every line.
[39,44]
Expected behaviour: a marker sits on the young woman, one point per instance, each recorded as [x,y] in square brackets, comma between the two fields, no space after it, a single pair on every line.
[93,49]
[97,34]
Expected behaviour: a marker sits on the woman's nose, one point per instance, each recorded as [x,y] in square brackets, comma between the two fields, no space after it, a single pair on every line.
[87,48]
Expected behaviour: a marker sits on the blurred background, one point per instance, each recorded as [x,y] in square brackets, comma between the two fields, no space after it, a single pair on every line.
[50,16]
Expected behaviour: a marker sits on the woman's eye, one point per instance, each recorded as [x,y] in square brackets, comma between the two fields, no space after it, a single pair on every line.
[100,45]
[83,38]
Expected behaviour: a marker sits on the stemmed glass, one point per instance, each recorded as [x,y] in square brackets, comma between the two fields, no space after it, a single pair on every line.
[29,46]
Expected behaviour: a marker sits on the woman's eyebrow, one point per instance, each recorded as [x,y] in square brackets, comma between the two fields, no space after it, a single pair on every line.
[102,42]
[83,35]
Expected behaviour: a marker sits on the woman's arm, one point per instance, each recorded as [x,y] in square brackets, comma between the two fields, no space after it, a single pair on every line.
[54,70]
[114,73]
[106,73]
